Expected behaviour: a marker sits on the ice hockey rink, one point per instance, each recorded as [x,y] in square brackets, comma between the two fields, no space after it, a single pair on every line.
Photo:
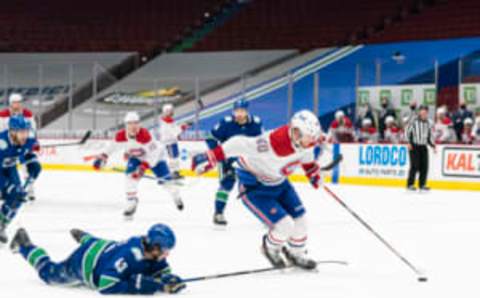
[437,232]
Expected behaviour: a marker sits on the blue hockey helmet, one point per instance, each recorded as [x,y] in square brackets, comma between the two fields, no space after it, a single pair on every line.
[161,235]
[18,122]
[240,104]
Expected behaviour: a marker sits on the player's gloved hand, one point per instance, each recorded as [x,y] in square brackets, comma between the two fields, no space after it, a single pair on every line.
[202,163]
[100,161]
[172,284]
[16,191]
[140,171]
[313,172]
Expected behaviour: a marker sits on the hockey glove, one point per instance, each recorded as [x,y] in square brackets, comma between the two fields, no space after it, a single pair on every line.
[171,284]
[313,172]
[140,170]
[100,161]
[204,162]
[16,192]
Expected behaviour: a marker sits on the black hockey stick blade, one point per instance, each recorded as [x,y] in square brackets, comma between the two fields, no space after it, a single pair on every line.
[333,163]
[255,271]
[85,138]
[82,141]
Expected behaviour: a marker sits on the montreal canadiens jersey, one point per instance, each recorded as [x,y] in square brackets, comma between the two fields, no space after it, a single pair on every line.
[6,113]
[11,154]
[142,146]
[168,131]
[270,158]
[228,127]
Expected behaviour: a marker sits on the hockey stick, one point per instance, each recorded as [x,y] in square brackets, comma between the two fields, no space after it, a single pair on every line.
[332,164]
[420,275]
[254,271]
[119,170]
[84,139]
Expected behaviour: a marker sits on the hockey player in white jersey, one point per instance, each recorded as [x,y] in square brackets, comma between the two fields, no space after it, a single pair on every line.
[168,134]
[265,162]
[141,153]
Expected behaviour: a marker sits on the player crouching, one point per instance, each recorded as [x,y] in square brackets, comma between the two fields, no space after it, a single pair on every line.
[265,162]
[16,144]
[135,266]
[141,153]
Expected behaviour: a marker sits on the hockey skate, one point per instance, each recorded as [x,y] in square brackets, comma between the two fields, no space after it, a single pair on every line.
[274,256]
[78,234]
[299,259]
[21,239]
[131,208]
[3,233]
[219,219]
[411,188]
[31,194]
[424,189]
[176,176]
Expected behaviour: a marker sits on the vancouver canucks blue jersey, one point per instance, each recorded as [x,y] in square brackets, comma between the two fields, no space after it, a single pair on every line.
[228,127]
[118,267]
[11,154]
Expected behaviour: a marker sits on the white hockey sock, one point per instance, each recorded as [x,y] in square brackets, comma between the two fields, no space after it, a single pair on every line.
[298,239]
[279,234]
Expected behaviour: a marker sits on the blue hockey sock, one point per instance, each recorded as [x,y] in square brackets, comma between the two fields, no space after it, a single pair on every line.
[221,201]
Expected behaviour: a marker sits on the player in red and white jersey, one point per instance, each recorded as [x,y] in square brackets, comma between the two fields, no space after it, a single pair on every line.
[392,134]
[264,164]
[467,131]
[16,107]
[141,153]
[367,133]
[168,133]
[443,128]
[341,129]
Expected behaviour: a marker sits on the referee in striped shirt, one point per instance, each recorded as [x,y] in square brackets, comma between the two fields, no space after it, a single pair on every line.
[419,136]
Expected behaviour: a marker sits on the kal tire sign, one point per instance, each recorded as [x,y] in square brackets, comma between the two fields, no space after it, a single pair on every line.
[461,162]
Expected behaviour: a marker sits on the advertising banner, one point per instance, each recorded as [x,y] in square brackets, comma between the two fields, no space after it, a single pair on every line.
[470,94]
[461,162]
[399,96]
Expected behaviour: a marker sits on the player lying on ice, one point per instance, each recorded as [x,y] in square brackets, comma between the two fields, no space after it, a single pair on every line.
[264,164]
[142,153]
[16,144]
[135,266]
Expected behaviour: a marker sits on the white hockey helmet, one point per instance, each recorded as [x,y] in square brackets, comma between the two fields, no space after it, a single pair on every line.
[131,117]
[441,111]
[167,108]
[15,97]
[339,114]
[468,121]
[366,121]
[307,123]
[389,119]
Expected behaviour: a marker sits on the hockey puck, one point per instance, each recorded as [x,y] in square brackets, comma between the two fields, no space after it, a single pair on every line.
[422,279]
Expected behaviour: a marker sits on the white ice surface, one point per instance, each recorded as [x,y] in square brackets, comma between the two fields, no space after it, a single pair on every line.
[438,232]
